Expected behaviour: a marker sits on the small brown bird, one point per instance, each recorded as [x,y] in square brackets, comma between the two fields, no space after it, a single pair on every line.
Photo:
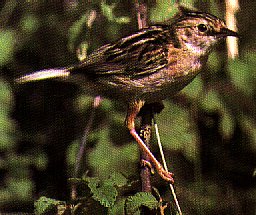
[147,66]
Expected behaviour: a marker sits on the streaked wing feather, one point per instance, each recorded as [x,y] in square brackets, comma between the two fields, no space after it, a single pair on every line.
[140,54]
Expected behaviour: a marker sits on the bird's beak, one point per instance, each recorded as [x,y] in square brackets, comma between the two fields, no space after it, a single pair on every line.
[225,32]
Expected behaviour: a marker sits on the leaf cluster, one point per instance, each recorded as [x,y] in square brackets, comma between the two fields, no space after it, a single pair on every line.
[106,192]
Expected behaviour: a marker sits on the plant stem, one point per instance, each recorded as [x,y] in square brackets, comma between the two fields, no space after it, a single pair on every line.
[146,116]
[145,133]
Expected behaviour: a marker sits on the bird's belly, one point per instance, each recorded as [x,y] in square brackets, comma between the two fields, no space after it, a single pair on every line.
[166,89]
[155,87]
[168,83]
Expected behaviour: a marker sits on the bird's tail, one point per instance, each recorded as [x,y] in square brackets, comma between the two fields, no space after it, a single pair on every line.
[44,74]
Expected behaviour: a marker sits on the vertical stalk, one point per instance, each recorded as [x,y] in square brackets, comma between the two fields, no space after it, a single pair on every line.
[146,116]
[81,152]
[145,133]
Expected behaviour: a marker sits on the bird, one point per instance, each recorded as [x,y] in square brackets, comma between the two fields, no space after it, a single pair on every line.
[147,66]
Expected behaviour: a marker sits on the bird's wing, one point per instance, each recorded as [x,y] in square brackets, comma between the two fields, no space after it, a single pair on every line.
[140,54]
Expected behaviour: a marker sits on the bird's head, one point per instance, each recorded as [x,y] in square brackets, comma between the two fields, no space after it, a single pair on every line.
[198,32]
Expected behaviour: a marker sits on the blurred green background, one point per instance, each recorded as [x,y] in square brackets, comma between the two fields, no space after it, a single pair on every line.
[208,130]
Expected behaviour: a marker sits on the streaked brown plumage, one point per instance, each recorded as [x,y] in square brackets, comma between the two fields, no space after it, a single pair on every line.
[147,66]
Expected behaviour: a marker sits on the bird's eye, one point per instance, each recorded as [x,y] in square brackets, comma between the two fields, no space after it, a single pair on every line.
[202,27]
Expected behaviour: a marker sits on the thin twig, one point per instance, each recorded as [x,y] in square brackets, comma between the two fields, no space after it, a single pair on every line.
[95,104]
[80,155]
[165,165]
[142,16]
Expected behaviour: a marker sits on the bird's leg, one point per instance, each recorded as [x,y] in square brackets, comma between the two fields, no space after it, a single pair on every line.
[133,110]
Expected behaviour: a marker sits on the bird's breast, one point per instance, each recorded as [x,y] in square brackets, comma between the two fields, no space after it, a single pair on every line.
[157,86]
[176,75]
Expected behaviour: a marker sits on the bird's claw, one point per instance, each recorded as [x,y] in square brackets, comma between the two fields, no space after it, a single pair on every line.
[167,176]
[145,163]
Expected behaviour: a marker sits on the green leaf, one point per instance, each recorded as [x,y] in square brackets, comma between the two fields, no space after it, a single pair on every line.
[7,125]
[83,102]
[194,89]
[214,9]
[122,20]
[178,131]
[72,153]
[163,10]
[211,101]
[242,75]
[29,23]
[6,97]
[133,203]
[5,196]
[106,157]
[108,12]
[20,188]
[41,161]
[213,62]
[7,45]
[118,179]
[117,208]
[82,55]
[46,205]
[249,127]
[227,125]
[187,3]
[6,142]
[104,192]
[76,29]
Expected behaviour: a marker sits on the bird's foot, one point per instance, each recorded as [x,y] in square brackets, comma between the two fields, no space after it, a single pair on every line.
[167,176]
